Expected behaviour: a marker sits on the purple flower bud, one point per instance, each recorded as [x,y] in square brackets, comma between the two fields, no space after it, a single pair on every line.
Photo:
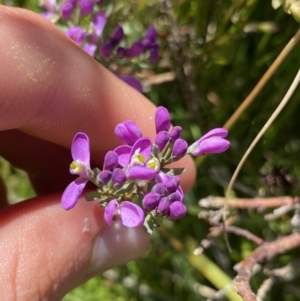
[164,206]
[118,176]
[132,81]
[106,49]
[175,132]
[66,10]
[179,149]
[211,143]
[76,33]
[99,22]
[151,34]
[104,176]
[161,139]
[118,34]
[175,197]
[136,49]
[159,188]
[86,7]
[141,173]
[162,119]
[177,210]
[121,52]
[110,160]
[172,183]
[151,200]
[128,132]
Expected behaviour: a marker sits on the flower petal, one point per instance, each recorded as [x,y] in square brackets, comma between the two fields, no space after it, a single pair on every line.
[110,211]
[219,132]
[162,119]
[110,160]
[131,80]
[72,193]
[123,153]
[141,173]
[144,146]
[99,22]
[213,145]
[128,132]
[131,215]
[80,148]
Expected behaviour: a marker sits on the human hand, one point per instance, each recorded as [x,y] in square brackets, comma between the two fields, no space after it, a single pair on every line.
[51,89]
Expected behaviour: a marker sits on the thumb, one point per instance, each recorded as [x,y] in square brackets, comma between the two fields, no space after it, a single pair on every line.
[46,251]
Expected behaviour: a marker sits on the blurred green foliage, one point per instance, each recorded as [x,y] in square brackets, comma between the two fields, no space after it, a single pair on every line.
[216,51]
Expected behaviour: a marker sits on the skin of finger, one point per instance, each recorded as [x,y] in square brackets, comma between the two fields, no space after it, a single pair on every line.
[49,251]
[51,89]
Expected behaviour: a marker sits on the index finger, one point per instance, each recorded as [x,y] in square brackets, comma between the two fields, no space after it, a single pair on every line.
[52,89]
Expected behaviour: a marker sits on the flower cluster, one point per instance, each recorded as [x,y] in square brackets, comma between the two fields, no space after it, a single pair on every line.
[135,185]
[85,21]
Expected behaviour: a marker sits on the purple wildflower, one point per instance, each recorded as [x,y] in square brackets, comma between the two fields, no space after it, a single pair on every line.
[162,119]
[132,81]
[151,200]
[128,132]
[99,22]
[161,139]
[176,210]
[179,149]
[130,214]
[76,33]
[66,10]
[86,7]
[80,150]
[135,49]
[211,143]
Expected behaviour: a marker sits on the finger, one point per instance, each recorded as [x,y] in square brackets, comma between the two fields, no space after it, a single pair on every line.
[50,251]
[61,90]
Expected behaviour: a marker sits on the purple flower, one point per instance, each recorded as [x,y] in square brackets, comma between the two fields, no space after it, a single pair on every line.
[80,151]
[86,7]
[76,33]
[106,49]
[172,183]
[104,176]
[162,119]
[66,10]
[164,206]
[151,200]
[179,149]
[136,49]
[211,143]
[128,132]
[130,214]
[175,132]
[141,173]
[176,210]
[98,23]
[161,139]
[118,177]
[110,160]
[132,81]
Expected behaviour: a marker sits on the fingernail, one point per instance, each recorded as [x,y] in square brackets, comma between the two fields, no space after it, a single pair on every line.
[115,245]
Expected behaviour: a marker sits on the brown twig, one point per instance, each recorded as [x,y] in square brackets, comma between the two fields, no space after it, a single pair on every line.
[244,203]
[240,232]
[262,254]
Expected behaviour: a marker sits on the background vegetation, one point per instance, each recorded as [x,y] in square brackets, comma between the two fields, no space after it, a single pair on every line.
[212,55]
